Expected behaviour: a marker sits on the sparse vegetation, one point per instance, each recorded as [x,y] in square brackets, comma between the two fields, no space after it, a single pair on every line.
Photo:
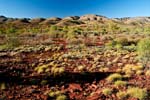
[132,69]
[138,93]
[57,95]
[122,40]
[114,77]
[2,86]
[122,95]
[144,51]
[78,58]
[107,91]
[61,97]
[120,83]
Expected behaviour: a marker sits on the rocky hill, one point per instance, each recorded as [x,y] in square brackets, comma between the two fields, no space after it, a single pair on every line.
[75,20]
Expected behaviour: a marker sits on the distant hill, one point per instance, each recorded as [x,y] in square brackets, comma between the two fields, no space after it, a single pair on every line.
[76,20]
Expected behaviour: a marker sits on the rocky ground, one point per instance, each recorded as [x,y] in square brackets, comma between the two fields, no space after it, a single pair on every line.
[72,72]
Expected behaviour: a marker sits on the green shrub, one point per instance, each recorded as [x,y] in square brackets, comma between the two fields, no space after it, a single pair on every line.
[107,91]
[61,97]
[43,82]
[11,43]
[104,31]
[54,93]
[130,48]
[71,34]
[121,95]
[53,31]
[129,69]
[2,31]
[40,69]
[11,30]
[2,86]
[144,51]
[110,44]
[138,93]
[114,77]
[122,40]
[57,71]
[120,83]
[118,46]
[58,95]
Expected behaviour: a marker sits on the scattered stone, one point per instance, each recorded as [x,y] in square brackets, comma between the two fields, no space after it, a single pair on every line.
[120,64]
[126,56]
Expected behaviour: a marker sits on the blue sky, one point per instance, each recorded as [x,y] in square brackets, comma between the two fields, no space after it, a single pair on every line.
[63,8]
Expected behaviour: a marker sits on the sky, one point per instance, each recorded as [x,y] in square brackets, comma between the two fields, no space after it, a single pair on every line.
[64,8]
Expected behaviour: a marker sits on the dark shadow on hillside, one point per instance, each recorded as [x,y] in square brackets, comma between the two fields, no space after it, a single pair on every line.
[65,78]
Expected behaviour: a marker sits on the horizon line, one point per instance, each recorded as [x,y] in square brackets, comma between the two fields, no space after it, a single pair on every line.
[78,16]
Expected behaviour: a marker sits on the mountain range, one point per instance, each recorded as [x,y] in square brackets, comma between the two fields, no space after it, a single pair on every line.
[75,20]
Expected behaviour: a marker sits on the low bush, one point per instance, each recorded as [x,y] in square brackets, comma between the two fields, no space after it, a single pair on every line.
[143,50]
[118,46]
[122,95]
[61,97]
[107,91]
[2,86]
[120,83]
[110,44]
[122,40]
[11,43]
[130,69]
[138,93]
[58,95]
[130,48]
[114,77]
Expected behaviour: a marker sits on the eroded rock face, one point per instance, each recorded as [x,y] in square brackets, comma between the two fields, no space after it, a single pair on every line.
[2,19]
[92,18]
[53,20]
[10,20]
[21,21]
[134,20]
[72,18]
[36,20]
[69,22]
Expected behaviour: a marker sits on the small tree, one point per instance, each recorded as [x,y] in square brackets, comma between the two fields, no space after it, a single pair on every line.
[144,51]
